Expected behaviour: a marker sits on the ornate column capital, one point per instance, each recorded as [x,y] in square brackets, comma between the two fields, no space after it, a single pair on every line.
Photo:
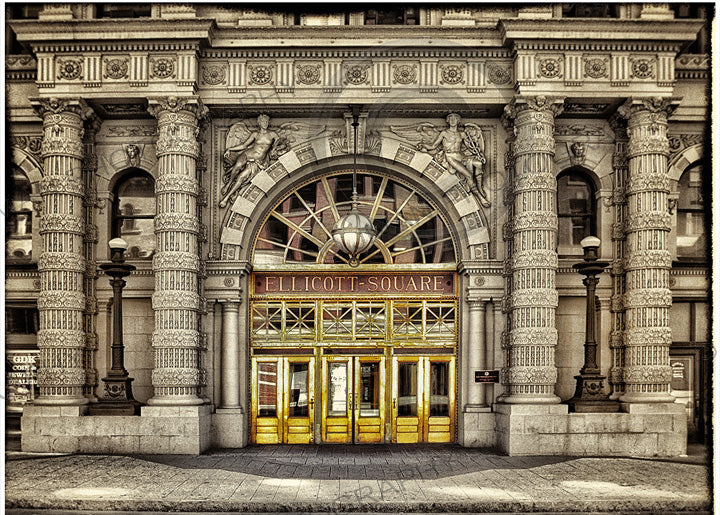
[655,105]
[551,105]
[172,104]
[56,106]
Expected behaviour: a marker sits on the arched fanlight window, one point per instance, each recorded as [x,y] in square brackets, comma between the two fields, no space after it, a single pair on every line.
[409,229]
[691,240]
[576,211]
[133,213]
[18,223]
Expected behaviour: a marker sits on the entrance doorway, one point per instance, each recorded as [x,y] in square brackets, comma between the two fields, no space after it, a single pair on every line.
[423,399]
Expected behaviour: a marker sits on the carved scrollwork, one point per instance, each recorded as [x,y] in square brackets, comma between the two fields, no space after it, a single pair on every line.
[536,297]
[61,376]
[532,336]
[176,299]
[534,259]
[642,336]
[647,374]
[61,299]
[535,375]
[62,147]
[648,220]
[167,260]
[648,298]
[55,222]
[648,259]
[176,184]
[535,182]
[61,261]
[533,220]
[648,182]
[175,377]
[60,338]
[177,222]
[51,184]
[176,338]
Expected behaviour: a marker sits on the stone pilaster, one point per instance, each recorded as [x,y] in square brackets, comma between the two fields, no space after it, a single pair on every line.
[530,374]
[647,297]
[230,354]
[475,351]
[61,302]
[89,171]
[177,376]
[617,269]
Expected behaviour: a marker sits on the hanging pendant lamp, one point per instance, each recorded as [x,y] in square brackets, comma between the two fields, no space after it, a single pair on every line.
[354,233]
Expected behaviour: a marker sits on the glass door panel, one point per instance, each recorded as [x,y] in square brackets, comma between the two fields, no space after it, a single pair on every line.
[439,425]
[407,392]
[370,400]
[300,401]
[337,399]
[266,425]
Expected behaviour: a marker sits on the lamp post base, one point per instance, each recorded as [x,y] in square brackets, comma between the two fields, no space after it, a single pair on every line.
[118,399]
[590,397]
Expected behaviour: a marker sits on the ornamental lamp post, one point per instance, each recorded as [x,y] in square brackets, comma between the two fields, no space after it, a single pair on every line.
[354,233]
[118,398]
[589,391]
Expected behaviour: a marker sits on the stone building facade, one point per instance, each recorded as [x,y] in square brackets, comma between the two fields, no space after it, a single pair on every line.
[484,143]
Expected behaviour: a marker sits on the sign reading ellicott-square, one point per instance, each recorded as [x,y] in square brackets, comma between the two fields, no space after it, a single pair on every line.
[352,283]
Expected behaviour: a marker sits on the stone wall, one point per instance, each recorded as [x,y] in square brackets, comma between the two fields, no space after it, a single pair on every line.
[643,430]
[159,430]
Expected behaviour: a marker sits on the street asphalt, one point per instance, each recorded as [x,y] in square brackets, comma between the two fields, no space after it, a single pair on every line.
[364,478]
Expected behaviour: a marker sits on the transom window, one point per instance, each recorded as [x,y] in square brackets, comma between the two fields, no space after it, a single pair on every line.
[409,229]
[133,214]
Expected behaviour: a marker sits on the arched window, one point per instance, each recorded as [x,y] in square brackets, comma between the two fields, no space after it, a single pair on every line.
[576,211]
[691,232]
[18,223]
[133,213]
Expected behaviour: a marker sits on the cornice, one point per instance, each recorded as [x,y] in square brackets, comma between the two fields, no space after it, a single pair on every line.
[110,34]
[609,34]
[365,53]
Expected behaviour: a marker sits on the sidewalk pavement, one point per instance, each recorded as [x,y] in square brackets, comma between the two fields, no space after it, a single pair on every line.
[361,478]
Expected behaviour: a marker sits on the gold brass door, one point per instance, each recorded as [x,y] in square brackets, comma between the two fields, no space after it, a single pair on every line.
[369,413]
[353,399]
[423,407]
[282,399]
[337,392]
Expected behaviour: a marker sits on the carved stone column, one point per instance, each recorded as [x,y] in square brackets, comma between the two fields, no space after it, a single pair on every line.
[617,269]
[530,374]
[176,264]
[230,354]
[648,298]
[89,171]
[61,303]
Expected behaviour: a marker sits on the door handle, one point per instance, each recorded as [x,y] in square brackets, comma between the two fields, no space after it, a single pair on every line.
[312,403]
[394,404]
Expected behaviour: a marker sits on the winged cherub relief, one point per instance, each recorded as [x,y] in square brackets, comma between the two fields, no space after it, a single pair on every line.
[250,148]
[460,149]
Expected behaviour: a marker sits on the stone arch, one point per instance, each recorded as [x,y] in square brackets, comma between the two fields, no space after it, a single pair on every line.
[462,209]
[30,166]
[679,163]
